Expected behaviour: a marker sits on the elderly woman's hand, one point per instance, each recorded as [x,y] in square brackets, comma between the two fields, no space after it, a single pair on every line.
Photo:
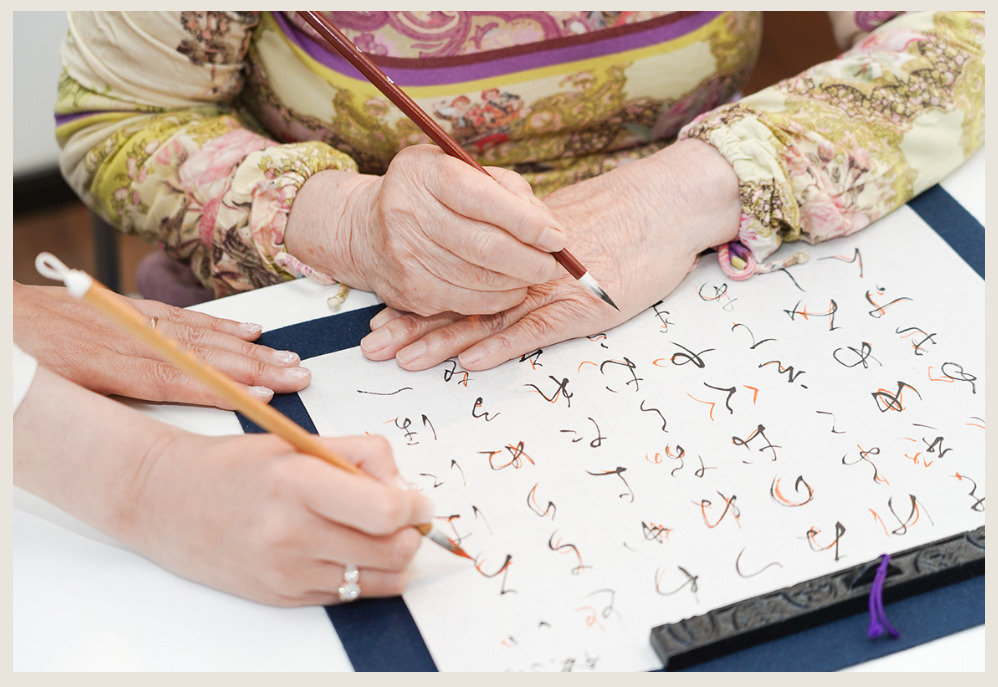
[71,338]
[432,235]
[638,229]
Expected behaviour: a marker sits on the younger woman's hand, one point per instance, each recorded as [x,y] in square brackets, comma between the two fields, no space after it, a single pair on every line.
[73,339]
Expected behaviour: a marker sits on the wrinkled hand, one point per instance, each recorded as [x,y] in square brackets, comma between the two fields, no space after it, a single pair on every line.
[71,338]
[431,235]
[251,516]
[638,230]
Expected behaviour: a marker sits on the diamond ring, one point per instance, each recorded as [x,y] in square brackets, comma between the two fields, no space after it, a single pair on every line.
[350,589]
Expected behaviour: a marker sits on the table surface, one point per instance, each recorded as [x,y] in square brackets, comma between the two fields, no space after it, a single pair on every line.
[82,601]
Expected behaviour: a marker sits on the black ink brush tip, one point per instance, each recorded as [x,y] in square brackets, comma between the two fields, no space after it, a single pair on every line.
[591,284]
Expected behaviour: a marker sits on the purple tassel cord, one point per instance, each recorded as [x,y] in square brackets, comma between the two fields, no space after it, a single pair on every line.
[878,618]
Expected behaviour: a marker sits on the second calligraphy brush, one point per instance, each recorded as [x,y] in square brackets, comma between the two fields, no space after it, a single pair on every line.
[83,286]
[336,40]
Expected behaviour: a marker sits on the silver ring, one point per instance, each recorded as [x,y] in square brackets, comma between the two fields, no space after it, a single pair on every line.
[350,589]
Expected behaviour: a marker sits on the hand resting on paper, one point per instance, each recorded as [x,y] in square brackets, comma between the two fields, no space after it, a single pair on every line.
[432,235]
[244,514]
[70,338]
[638,229]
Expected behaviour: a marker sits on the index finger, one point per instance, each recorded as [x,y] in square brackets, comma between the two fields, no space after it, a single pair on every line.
[488,198]
[374,503]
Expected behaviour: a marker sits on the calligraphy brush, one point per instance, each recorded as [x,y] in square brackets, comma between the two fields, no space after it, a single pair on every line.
[83,286]
[335,39]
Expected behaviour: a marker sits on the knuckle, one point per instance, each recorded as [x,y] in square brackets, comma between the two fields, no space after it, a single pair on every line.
[259,370]
[407,326]
[387,513]
[164,378]
[192,335]
[498,301]
[480,246]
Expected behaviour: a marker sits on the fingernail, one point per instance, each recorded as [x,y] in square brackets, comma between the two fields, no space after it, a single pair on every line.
[297,373]
[376,340]
[425,511]
[261,392]
[251,328]
[285,357]
[551,240]
[468,358]
[384,317]
[411,353]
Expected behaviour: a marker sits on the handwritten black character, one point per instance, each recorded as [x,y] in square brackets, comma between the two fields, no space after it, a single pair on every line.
[595,443]
[601,337]
[454,464]
[790,276]
[752,336]
[427,423]
[881,310]
[917,345]
[738,568]
[516,452]
[830,314]
[857,257]
[702,469]
[653,532]
[937,442]
[862,355]
[663,317]
[691,582]
[533,358]
[436,481]
[687,357]
[456,373]
[912,517]
[535,507]
[626,363]
[561,390]
[789,371]
[503,570]
[619,472]
[567,548]
[405,426]
[978,505]
[719,292]
[476,415]
[385,393]
[864,456]
[888,401]
[654,410]
[727,401]
[840,530]
[479,515]
[729,506]
[780,498]
[605,612]
[759,431]
[678,456]
[825,412]
[955,372]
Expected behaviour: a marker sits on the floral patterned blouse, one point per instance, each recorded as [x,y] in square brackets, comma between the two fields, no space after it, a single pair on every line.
[196,129]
